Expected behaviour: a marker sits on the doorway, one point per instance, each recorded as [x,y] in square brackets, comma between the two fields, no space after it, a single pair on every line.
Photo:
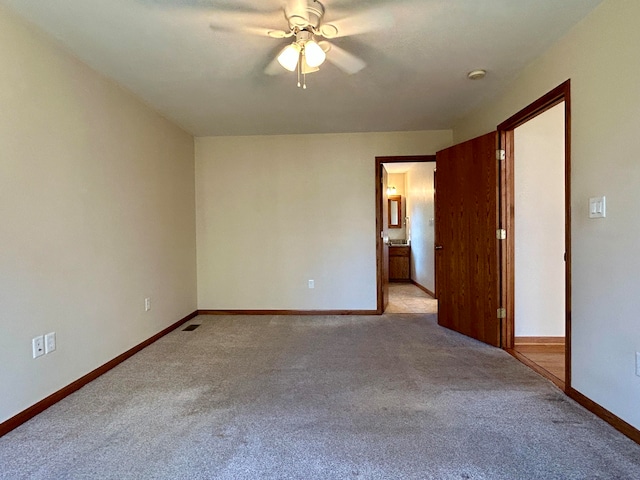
[409,239]
[537,259]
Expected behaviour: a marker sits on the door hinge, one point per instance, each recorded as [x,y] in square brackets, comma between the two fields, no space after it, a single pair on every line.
[501,154]
[502,313]
[501,234]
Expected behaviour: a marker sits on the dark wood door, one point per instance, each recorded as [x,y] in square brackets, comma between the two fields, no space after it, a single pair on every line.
[467,217]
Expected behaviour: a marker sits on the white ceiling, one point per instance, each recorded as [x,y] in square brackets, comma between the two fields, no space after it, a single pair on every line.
[213,83]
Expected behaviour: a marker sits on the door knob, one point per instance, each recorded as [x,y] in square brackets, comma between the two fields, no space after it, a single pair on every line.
[438,247]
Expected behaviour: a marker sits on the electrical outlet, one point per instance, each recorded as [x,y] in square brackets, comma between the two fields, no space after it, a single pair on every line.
[37,346]
[49,342]
[638,364]
[147,304]
[312,284]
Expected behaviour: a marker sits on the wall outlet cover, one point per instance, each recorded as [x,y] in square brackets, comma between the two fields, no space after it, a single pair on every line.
[49,342]
[37,346]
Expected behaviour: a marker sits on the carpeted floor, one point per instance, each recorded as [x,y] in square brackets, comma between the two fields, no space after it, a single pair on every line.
[390,397]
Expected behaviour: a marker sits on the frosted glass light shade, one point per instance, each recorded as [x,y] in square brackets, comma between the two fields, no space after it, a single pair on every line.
[288,58]
[305,68]
[314,54]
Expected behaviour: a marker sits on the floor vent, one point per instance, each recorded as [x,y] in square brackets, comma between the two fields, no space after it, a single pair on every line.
[190,328]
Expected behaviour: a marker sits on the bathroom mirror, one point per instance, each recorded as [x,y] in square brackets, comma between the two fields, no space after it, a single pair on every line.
[395,211]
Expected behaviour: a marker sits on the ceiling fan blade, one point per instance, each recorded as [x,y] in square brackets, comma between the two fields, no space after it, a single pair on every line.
[370,21]
[296,12]
[274,68]
[345,61]
[260,31]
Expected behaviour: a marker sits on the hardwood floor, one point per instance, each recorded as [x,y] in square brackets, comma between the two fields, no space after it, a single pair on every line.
[546,356]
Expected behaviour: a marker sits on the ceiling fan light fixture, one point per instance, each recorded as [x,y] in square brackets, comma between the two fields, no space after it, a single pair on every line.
[314,55]
[305,68]
[289,56]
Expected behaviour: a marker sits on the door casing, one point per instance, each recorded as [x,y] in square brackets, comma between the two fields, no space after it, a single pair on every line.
[562,93]
[380,257]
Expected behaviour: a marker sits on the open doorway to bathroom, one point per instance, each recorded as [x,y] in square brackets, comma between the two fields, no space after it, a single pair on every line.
[405,210]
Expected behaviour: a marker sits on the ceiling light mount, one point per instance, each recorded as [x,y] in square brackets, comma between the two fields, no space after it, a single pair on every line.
[476,74]
[311,16]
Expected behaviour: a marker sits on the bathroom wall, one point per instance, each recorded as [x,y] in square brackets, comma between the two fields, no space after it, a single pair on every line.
[421,212]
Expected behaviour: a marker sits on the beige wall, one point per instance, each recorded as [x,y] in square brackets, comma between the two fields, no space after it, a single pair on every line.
[276,211]
[421,212]
[540,226]
[600,56]
[97,213]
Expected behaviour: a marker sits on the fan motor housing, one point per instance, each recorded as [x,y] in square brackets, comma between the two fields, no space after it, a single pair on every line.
[315,12]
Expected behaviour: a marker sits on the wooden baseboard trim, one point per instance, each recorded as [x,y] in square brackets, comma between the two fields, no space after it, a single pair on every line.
[424,289]
[539,340]
[287,312]
[537,368]
[42,405]
[612,419]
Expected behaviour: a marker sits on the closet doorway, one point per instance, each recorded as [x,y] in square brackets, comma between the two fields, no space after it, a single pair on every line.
[538,221]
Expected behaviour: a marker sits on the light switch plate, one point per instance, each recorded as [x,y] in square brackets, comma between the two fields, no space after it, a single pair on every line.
[597,207]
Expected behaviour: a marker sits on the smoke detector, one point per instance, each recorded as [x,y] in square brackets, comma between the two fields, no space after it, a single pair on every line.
[476,74]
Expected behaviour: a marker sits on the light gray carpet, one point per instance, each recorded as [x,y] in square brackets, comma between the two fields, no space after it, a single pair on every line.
[391,397]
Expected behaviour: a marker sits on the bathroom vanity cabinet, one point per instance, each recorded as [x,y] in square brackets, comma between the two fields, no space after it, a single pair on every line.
[399,263]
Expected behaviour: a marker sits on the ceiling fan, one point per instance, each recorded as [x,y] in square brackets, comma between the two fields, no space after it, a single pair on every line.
[306,24]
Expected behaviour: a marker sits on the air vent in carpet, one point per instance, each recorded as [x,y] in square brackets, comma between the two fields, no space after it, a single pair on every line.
[190,328]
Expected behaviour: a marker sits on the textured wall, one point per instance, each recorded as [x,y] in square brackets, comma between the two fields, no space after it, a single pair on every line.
[98,212]
[276,211]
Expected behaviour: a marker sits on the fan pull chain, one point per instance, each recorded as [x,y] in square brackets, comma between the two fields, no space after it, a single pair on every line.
[299,67]
[304,75]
